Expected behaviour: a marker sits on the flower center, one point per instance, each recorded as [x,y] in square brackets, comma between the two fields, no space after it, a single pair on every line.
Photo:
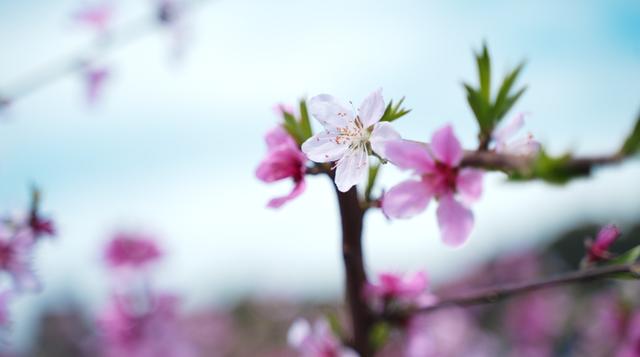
[355,134]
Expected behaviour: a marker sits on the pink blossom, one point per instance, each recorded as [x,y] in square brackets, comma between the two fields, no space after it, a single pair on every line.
[16,246]
[95,79]
[630,347]
[603,326]
[524,146]
[599,250]
[450,332]
[348,138]
[5,298]
[535,320]
[96,16]
[316,341]
[41,226]
[439,176]
[131,251]
[150,328]
[405,289]
[284,160]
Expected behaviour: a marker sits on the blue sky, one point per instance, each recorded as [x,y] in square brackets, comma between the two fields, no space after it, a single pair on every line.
[172,147]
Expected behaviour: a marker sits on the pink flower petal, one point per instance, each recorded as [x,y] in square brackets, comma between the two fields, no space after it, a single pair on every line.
[324,147]
[371,109]
[446,147]
[455,221]
[382,134]
[406,199]
[351,169]
[278,136]
[95,79]
[469,184]
[298,189]
[330,112]
[607,235]
[507,131]
[409,155]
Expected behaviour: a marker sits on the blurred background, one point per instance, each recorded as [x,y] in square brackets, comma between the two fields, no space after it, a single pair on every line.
[171,145]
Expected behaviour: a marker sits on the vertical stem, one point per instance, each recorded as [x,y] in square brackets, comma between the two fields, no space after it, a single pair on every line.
[352,215]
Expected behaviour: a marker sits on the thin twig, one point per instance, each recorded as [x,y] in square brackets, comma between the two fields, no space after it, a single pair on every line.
[493,294]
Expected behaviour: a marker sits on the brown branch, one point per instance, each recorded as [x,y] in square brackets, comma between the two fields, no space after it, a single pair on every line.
[352,218]
[493,294]
[506,162]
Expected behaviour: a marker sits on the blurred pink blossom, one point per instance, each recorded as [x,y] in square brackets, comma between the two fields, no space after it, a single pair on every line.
[316,341]
[599,250]
[95,79]
[602,327]
[630,347]
[439,176]
[96,16]
[449,332]
[5,298]
[523,146]
[131,250]
[405,289]
[143,329]
[41,226]
[284,160]
[534,321]
[16,246]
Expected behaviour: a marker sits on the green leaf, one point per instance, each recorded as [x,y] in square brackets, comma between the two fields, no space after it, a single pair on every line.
[480,109]
[631,145]
[555,170]
[334,323]
[379,335]
[393,112]
[629,257]
[293,127]
[506,106]
[305,123]
[371,181]
[489,111]
[484,72]
[501,105]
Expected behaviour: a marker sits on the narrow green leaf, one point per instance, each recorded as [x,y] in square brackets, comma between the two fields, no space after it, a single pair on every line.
[334,323]
[508,104]
[484,73]
[629,257]
[393,112]
[500,107]
[631,145]
[305,123]
[379,335]
[371,181]
[479,108]
[292,127]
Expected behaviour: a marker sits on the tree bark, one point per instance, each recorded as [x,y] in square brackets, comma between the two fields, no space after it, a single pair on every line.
[352,216]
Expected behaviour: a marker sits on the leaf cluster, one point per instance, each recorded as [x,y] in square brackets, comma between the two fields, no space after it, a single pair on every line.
[490,110]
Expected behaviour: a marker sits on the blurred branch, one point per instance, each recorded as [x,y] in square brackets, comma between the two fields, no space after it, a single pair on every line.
[509,163]
[494,294]
[77,61]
